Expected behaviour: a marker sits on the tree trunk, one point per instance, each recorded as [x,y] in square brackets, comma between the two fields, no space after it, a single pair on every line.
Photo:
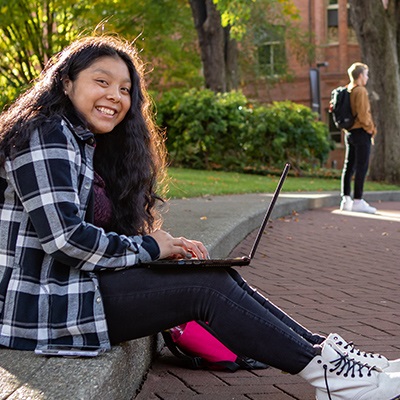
[218,52]
[231,62]
[377,30]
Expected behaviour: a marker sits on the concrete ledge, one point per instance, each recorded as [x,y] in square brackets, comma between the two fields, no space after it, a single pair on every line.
[116,375]
[221,222]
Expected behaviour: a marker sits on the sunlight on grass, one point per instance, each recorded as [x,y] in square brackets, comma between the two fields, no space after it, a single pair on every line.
[194,183]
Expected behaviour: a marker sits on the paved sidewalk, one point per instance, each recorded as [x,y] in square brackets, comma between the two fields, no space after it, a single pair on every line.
[333,272]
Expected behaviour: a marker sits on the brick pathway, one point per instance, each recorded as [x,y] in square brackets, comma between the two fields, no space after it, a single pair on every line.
[333,272]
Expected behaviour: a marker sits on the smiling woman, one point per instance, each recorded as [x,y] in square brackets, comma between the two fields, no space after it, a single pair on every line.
[80,159]
[101,93]
[80,162]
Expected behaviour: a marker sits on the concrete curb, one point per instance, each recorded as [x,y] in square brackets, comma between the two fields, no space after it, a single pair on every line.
[221,222]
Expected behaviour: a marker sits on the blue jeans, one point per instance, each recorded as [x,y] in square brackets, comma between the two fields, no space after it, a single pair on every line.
[358,149]
[143,301]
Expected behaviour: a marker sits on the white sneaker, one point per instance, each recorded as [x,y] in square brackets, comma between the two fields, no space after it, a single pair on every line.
[336,376]
[363,206]
[372,359]
[346,204]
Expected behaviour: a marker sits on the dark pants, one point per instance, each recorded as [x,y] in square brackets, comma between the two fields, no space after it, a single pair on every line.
[143,301]
[358,149]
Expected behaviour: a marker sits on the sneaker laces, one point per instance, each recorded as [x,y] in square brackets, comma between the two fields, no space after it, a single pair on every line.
[346,366]
[353,350]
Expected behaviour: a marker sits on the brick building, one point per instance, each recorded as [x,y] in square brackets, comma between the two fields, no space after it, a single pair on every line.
[329,29]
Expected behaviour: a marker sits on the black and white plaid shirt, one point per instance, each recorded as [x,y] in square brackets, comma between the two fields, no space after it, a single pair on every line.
[49,252]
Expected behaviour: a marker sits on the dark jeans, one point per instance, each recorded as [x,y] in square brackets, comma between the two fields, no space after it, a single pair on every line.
[358,149]
[143,301]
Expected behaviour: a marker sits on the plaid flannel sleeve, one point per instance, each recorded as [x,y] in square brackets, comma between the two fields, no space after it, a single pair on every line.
[53,179]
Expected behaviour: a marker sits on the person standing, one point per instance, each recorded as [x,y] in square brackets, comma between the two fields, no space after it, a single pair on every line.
[358,141]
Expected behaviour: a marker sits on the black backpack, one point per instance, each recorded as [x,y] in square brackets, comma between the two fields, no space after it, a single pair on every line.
[340,108]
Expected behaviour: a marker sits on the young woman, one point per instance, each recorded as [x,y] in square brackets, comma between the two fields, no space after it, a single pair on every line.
[358,142]
[80,160]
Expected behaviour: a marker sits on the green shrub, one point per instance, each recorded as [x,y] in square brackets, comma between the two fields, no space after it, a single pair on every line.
[287,131]
[225,131]
[204,129]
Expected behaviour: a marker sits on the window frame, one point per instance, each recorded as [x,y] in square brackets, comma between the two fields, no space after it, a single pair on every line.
[271,52]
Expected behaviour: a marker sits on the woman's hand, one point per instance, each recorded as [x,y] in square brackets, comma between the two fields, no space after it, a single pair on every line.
[171,247]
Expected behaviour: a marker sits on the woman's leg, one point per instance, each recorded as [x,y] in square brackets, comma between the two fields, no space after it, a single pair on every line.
[143,301]
[285,318]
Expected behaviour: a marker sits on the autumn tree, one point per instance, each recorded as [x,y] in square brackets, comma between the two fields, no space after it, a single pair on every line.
[377,25]
[31,31]
[164,34]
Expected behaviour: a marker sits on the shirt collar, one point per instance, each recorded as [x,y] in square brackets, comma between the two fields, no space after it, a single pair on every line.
[77,126]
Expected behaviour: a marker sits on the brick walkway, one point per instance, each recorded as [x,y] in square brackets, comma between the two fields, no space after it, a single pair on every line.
[333,272]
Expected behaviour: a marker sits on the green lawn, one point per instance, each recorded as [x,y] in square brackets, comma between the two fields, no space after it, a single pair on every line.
[194,183]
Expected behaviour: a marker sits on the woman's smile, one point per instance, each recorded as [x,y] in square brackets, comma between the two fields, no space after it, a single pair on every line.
[101,93]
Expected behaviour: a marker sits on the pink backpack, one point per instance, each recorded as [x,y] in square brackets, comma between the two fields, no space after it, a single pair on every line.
[200,349]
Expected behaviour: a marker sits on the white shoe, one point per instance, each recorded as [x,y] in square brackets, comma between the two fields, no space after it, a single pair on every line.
[372,359]
[336,376]
[363,206]
[346,204]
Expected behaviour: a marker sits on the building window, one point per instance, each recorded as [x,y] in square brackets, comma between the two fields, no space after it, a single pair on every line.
[333,23]
[271,51]
[271,59]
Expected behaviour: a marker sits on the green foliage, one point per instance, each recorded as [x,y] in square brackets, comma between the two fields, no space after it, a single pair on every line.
[273,22]
[163,32]
[237,14]
[226,131]
[288,131]
[204,129]
[32,31]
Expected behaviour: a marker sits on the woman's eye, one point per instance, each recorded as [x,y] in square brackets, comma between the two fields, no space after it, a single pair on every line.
[126,90]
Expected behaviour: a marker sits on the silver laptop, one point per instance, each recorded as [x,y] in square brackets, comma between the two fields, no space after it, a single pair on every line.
[227,262]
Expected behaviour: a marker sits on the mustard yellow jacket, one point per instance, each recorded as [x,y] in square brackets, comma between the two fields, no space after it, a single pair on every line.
[361,109]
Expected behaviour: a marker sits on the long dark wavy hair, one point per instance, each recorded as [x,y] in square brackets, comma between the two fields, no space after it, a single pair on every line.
[130,159]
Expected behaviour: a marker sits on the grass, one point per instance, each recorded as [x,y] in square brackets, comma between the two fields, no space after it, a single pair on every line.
[196,183]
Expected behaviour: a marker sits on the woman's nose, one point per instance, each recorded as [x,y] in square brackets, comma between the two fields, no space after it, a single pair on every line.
[114,94]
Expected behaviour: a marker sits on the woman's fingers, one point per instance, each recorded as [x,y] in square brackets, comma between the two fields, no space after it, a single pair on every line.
[178,247]
[196,248]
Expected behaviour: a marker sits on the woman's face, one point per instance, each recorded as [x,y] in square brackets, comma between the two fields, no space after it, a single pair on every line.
[101,93]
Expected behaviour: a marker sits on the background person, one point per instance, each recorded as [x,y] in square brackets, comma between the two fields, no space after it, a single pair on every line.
[358,141]
[80,158]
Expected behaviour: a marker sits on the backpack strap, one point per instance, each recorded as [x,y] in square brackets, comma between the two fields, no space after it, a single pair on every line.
[195,362]
[249,363]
